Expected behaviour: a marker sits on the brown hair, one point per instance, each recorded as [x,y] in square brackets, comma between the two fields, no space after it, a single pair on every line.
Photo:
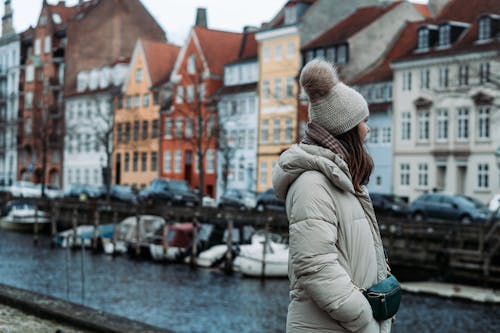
[359,161]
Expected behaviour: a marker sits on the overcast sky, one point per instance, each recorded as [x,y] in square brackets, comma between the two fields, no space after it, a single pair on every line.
[177,16]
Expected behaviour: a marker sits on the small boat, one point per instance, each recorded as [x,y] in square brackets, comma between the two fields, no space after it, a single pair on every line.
[263,257]
[84,234]
[22,216]
[176,245]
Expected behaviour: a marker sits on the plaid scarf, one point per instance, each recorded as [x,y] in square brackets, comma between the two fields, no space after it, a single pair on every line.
[317,135]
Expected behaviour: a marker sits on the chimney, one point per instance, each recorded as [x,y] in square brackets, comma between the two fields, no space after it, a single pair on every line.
[7,26]
[249,28]
[201,17]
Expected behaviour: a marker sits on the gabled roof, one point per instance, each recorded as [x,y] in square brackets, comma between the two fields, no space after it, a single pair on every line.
[465,11]
[218,47]
[66,13]
[349,26]
[401,45]
[160,58]
[248,49]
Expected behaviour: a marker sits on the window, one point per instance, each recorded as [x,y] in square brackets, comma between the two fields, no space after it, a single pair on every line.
[28,100]
[127,132]
[267,53]
[145,100]
[423,39]
[264,131]
[330,54]
[265,90]
[277,89]
[241,138]
[424,78]
[126,167]
[320,53]
[190,93]
[201,91]
[189,127]
[309,56]
[342,54]
[444,35]
[386,135]
[406,126]
[277,52]
[484,123]
[135,162]
[289,86]
[276,130]
[463,75]
[482,176]
[38,45]
[373,135]
[179,96]
[30,73]
[145,129]
[407,81]
[136,130]
[154,161]
[263,173]
[210,159]
[156,98]
[404,174]
[178,161]
[156,131]
[179,122]
[442,125]
[484,72]
[137,101]
[168,128]
[167,161]
[443,77]
[47,47]
[463,124]
[251,139]
[423,126]
[288,130]
[210,125]
[144,161]
[129,102]
[422,174]
[290,53]
[191,66]
[484,32]
[138,75]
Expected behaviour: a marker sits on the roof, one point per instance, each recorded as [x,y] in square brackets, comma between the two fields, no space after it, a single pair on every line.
[404,42]
[423,9]
[236,89]
[160,58]
[66,13]
[349,26]
[248,49]
[465,11]
[219,47]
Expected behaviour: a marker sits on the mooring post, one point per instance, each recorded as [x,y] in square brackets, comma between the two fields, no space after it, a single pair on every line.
[138,232]
[115,231]
[95,234]
[265,247]
[164,239]
[74,222]
[54,216]
[194,247]
[229,241]
[35,227]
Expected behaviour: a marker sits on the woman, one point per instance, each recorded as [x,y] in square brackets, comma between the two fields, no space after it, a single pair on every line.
[335,244]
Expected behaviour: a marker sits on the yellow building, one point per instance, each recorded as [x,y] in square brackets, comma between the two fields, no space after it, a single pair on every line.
[137,118]
[279,60]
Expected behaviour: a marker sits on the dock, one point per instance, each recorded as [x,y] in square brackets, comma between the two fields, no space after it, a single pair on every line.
[458,291]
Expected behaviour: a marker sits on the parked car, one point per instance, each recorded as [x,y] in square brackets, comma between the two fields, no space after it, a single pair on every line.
[52,191]
[25,189]
[86,191]
[389,204]
[123,193]
[441,206]
[269,201]
[238,199]
[169,192]
[494,205]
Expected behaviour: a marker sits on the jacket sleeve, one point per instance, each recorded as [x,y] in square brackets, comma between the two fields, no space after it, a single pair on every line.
[314,260]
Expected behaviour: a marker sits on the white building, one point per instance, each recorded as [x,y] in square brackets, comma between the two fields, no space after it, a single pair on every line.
[89,124]
[9,96]
[446,105]
[238,119]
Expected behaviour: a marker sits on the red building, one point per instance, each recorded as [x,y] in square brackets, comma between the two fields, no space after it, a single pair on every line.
[189,124]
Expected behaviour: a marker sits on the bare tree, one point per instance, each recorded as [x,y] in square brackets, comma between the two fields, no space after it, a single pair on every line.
[227,150]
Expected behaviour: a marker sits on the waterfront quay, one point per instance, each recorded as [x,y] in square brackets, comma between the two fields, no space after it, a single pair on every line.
[176,298]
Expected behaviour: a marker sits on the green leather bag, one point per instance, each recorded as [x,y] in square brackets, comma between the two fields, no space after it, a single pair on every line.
[384,298]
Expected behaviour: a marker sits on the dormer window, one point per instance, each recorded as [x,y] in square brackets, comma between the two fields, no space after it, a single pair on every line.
[444,35]
[423,39]
[290,15]
[484,31]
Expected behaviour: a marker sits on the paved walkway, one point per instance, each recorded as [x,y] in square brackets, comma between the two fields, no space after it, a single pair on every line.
[476,294]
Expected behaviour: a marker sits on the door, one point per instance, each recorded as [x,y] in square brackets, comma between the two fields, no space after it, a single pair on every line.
[461,178]
[188,166]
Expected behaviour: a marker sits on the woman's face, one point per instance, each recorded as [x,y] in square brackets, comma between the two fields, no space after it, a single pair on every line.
[363,129]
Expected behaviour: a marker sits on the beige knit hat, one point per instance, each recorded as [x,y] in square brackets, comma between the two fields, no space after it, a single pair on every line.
[332,104]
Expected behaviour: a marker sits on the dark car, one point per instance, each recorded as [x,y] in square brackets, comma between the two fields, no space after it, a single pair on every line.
[441,206]
[85,191]
[123,193]
[269,201]
[389,204]
[238,199]
[168,192]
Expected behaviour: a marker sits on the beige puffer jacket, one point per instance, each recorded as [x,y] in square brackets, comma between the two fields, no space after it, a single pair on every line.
[335,244]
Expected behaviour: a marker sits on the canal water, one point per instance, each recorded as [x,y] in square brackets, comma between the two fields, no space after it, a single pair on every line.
[191,301]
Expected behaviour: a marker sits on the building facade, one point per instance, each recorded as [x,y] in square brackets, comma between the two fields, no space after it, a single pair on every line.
[9,95]
[446,104]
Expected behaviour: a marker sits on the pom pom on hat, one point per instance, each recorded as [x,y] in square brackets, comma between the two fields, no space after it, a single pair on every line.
[332,104]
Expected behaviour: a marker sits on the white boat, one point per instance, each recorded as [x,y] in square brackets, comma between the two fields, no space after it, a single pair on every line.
[211,256]
[253,261]
[22,216]
[84,235]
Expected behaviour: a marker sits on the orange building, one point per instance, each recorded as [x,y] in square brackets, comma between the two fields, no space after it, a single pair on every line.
[190,123]
[137,119]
